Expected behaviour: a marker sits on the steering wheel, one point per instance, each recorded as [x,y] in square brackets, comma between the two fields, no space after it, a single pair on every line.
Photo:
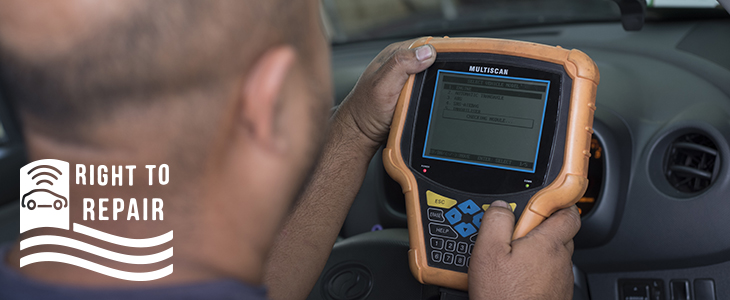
[374,265]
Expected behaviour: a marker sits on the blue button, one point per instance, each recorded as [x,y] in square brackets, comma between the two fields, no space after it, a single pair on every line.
[477,220]
[453,215]
[469,207]
[465,229]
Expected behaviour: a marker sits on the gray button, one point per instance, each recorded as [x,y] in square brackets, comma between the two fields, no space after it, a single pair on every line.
[436,256]
[461,248]
[441,230]
[437,243]
[460,260]
[436,215]
[450,246]
[448,258]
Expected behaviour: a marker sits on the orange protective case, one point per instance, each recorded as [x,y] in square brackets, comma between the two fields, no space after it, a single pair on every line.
[563,192]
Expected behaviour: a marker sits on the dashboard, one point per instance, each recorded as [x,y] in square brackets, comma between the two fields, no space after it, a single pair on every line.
[656,210]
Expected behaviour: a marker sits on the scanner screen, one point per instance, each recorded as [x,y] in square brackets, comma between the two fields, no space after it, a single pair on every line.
[486,120]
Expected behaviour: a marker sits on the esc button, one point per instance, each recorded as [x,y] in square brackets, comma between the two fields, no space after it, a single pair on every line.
[437,200]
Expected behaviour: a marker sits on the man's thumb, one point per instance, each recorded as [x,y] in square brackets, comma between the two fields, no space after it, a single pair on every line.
[495,234]
[405,62]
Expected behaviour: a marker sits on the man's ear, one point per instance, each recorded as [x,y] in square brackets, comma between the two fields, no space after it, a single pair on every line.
[262,91]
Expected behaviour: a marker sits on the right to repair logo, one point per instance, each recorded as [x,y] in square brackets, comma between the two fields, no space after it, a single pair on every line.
[44,192]
[45,201]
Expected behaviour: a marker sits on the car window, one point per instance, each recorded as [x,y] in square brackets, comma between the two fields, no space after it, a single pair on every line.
[357,20]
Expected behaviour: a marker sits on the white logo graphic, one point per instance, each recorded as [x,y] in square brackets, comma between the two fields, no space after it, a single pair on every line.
[45,202]
[44,192]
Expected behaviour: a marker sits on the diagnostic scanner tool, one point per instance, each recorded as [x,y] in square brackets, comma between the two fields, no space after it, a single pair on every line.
[490,120]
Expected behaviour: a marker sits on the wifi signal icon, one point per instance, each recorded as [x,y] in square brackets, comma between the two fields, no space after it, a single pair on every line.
[44,195]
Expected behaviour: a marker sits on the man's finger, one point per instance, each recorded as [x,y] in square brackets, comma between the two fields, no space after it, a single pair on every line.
[498,223]
[561,226]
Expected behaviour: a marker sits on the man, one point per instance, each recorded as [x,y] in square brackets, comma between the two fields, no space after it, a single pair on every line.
[234,96]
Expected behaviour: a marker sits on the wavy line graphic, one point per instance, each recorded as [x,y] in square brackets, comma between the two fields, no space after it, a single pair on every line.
[72,243]
[47,167]
[95,250]
[136,243]
[73,260]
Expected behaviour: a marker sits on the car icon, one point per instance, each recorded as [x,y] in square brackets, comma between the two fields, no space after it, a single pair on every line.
[37,196]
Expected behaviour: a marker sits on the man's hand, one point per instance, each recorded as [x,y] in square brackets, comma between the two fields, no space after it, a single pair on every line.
[537,266]
[368,109]
[358,128]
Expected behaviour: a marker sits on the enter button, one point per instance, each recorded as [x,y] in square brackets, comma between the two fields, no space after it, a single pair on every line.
[513,206]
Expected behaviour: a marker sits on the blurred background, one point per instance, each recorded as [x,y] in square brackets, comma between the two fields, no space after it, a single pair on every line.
[356,20]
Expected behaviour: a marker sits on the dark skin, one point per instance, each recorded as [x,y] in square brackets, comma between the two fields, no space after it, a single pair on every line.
[263,137]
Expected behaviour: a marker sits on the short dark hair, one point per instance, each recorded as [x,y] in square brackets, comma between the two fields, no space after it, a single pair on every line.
[162,49]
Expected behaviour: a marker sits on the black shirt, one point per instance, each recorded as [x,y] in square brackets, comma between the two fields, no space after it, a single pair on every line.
[14,285]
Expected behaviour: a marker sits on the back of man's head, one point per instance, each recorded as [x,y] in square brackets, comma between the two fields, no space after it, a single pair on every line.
[68,66]
[232,95]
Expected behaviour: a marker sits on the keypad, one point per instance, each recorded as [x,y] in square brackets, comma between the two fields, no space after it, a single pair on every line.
[453,253]
[452,228]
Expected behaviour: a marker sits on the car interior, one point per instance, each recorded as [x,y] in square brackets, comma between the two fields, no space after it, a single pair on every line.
[655,219]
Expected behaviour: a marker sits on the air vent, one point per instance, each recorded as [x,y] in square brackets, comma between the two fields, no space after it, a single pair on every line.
[692,163]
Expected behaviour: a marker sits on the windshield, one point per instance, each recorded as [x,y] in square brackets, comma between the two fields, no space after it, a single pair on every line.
[355,20]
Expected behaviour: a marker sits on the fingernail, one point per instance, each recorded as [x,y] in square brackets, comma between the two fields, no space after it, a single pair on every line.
[500,203]
[423,53]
